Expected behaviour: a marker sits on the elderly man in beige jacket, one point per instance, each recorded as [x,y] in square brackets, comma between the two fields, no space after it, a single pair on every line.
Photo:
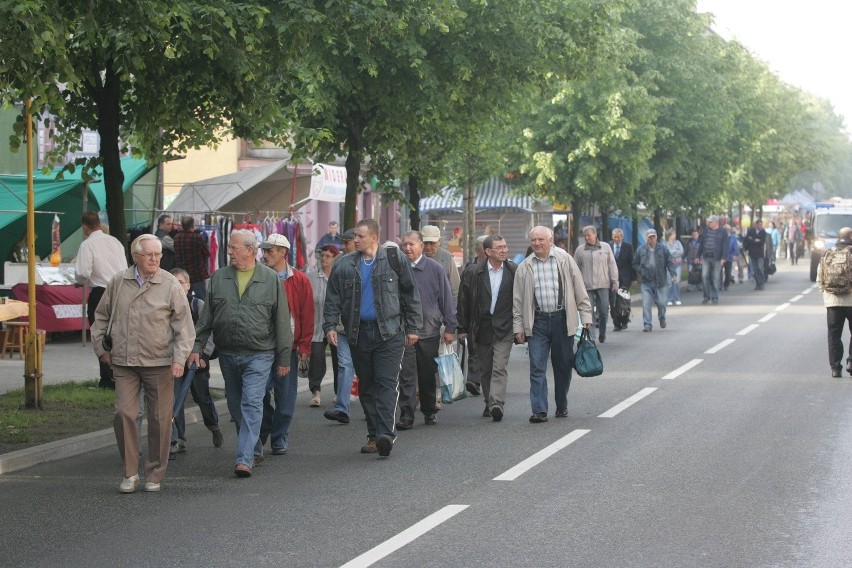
[600,275]
[145,312]
[547,295]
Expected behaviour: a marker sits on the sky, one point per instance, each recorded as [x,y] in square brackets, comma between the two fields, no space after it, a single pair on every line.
[806,43]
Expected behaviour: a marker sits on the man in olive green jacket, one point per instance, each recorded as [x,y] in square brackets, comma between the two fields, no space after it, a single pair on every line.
[246,310]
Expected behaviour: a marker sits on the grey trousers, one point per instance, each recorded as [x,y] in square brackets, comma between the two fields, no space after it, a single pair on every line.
[494,377]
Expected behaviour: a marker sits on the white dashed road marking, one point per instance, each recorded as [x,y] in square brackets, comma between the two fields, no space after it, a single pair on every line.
[538,457]
[767,317]
[719,347]
[627,403]
[748,329]
[783,306]
[797,298]
[682,369]
[408,535]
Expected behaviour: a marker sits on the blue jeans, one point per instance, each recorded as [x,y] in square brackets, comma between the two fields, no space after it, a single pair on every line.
[550,336]
[344,376]
[674,289]
[651,294]
[246,377]
[276,421]
[710,274]
[759,264]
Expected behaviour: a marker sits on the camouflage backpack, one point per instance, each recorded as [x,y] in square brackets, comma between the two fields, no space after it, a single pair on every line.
[836,271]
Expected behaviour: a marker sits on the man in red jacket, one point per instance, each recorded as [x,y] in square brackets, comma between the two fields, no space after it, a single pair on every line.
[300,299]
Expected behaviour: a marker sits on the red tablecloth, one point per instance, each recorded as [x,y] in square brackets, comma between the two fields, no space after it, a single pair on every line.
[58,308]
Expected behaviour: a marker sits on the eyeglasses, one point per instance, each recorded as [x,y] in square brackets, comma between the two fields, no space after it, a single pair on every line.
[234,247]
[150,255]
[504,247]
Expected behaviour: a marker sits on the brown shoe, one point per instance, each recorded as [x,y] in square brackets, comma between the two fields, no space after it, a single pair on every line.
[370,447]
[242,470]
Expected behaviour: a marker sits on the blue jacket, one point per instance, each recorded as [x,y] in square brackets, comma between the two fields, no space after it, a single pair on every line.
[397,299]
[733,247]
[721,238]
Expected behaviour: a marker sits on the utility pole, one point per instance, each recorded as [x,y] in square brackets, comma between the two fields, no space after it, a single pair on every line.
[33,363]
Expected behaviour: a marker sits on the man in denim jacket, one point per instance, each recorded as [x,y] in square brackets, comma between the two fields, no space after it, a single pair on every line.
[653,263]
[378,302]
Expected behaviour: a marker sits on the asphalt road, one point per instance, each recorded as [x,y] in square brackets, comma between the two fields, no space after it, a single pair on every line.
[732,453]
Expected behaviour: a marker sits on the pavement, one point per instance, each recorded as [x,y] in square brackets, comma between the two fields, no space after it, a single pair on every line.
[67,359]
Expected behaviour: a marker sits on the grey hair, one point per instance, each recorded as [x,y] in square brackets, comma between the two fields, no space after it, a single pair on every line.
[249,239]
[590,229]
[480,243]
[548,230]
[179,272]
[617,230]
[136,245]
[414,234]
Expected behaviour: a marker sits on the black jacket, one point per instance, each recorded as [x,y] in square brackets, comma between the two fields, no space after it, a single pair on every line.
[755,242]
[474,305]
[624,261]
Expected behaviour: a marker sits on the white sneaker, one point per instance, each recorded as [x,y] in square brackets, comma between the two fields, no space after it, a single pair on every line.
[128,484]
[668,303]
[678,303]
[150,486]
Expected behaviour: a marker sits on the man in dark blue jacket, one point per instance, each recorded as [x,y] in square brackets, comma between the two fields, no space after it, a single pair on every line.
[755,245]
[372,291]
[438,308]
[653,263]
[712,255]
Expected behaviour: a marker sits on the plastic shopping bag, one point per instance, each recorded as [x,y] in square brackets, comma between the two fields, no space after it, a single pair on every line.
[451,373]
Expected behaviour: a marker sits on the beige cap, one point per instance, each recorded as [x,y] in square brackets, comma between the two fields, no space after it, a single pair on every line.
[431,234]
[275,240]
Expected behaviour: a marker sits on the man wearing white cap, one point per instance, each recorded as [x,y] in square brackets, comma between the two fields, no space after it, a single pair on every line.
[432,249]
[656,270]
[300,299]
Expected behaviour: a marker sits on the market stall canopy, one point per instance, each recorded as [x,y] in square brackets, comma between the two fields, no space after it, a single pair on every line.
[493,194]
[52,195]
[798,197]
[263,188]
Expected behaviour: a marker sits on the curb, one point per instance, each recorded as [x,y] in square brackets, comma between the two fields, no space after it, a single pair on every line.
[76,445]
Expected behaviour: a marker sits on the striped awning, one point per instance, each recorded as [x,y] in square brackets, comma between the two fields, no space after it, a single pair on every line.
[493,194]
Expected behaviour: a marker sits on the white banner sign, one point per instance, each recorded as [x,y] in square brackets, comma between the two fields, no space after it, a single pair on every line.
[328,183]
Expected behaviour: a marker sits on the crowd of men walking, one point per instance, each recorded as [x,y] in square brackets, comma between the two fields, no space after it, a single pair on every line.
[385,312]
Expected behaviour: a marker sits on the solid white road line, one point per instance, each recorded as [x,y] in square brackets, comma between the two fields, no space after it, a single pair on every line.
[627,403]
[783,306]
[767,317]
[720,346]
[408,535]
[682,369]
[748,329]
[797,298]
[538,457]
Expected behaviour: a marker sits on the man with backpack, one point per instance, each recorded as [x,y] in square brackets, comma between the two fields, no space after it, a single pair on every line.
[834,277]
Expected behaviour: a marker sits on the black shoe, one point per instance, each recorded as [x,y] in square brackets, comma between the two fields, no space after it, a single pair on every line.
[705,301]
[647,329]
[716,301]
[385,445]
[601,338]
[497,414]
[279,451]
[486,413]
[662,324]
[405,425]
[337,415]
[473,389]
[617,328]
[538,417]
[217,437]
[430,419]
[834,373]
[849,365]
[562,414]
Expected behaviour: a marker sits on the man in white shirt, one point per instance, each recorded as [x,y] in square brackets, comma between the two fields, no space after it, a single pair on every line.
[100,257]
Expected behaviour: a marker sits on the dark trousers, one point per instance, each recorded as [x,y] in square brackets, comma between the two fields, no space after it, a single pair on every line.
[317,367]
[377,363]
[418,372]
[729,277]
[200,390]
[836,318]
[759,264]
[95,294]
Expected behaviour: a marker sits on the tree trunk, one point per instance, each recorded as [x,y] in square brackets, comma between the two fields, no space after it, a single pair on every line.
[469,206]
[573,234]
[414,200]
[658,226]
[109,111]
[605,230]
[634,232]
[353,181]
